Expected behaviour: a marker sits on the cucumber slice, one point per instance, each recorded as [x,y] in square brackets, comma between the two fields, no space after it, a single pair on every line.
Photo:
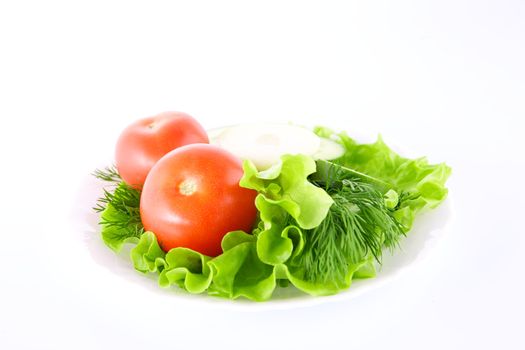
[329,149]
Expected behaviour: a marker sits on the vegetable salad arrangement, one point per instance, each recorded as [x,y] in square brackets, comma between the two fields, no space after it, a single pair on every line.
[243,210]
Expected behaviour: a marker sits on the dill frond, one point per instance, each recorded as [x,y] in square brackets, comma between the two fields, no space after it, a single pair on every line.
[357,226]
[109,174]
[124,202]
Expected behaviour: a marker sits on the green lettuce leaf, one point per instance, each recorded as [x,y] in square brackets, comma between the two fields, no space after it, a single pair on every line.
[278,240]
[240,272]
[421,185]
[186,268]
[114,235]
[236,272]
[147,256]
[286,185]
[296,277]
[119,218]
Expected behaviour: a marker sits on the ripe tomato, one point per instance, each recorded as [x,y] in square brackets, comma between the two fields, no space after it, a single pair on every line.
[144,142]
[192,198]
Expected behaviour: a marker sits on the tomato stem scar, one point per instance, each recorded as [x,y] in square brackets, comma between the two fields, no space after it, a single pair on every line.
[187,187]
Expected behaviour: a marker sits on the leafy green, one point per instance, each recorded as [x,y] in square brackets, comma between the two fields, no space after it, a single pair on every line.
[236,272]
[372,202]
[187,269]
[147,256]
[117,229]
[283,239]
[331,173]
[240,272]
[119,211]
[286,186]
[420,185]
[356,227]
[296,275]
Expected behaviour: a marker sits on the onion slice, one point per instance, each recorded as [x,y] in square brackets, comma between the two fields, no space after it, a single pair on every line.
[265,143]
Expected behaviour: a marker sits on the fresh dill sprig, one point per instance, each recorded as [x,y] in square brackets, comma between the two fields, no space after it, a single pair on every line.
[356,227]
[109,174]
[404,197]
[119,205]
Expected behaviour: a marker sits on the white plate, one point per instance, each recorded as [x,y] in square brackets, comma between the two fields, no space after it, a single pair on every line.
[428,229]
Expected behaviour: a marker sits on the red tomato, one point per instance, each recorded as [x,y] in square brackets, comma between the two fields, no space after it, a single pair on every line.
[144,142]
[192,198]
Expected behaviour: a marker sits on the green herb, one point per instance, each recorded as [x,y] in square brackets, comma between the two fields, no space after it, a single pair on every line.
[420,185]
[332,174]
[357,225]
[374,193]
[120,210]
[109,174]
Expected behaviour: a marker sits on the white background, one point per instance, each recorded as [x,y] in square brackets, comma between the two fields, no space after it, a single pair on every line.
[444,79]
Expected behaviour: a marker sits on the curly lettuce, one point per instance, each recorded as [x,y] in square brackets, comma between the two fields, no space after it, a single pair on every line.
[420,185]
[286,185]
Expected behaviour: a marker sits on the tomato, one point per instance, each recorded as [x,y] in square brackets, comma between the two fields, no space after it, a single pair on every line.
[192,198]
[144,142]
